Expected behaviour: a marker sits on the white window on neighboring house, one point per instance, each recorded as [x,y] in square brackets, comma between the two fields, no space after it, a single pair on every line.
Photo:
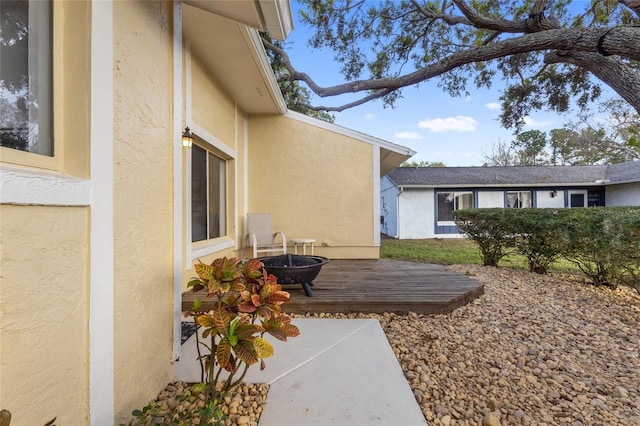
[26,76]
[519,199]
[208,195]
[448,202]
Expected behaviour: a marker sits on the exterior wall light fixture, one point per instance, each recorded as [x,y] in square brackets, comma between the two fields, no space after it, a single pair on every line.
[187,138]
[554,193]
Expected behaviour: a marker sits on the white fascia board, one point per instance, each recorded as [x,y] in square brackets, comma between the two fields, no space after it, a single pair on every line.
[277,17]
[351,133]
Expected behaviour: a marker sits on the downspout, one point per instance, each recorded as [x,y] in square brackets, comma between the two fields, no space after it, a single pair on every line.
[178,234]
[398,212]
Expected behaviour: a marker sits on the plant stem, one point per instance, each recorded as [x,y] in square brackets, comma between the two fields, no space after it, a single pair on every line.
[198,348]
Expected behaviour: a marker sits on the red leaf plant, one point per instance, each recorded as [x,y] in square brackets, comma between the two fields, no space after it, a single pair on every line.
[247,304]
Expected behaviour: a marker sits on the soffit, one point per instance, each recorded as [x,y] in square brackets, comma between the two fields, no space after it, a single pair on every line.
[389,160]
[233,54]
[274,15]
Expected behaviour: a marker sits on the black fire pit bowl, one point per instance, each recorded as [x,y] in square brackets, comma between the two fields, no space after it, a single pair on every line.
[295,269]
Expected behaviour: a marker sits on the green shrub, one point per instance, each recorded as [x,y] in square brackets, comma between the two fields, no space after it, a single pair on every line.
[536,233]
[604,243]
[485,227]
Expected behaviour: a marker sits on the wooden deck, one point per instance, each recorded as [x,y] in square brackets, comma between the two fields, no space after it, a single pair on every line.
[377,286]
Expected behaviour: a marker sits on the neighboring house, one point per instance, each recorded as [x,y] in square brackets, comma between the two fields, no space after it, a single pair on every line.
[419,202]
[102,218]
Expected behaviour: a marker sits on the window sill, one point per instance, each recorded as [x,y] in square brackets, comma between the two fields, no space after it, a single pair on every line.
[446,223]
[209,247]
[39,187]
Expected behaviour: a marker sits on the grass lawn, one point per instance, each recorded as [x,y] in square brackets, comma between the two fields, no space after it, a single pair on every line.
[453,251]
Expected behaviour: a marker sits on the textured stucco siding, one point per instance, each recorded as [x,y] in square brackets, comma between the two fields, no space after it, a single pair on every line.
[315,183]
[623,195]
[217,113]
[143,217]
[416,214]
[44,314]
[212,108]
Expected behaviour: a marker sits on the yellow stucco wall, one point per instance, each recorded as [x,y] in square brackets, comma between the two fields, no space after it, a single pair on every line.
[218,114]
[315,183]
[143,215]
[211,107]
[44,314]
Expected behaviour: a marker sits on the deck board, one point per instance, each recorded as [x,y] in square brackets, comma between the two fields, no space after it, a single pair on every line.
[376,286]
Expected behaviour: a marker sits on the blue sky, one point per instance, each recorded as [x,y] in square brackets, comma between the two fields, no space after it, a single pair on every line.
[456,131]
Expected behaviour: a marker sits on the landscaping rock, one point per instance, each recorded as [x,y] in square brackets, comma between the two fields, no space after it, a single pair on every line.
[533,350]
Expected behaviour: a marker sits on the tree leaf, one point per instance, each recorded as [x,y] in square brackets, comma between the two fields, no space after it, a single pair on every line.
[204,271]
[221,319]
[245,352]
[205,320]
[263,348]
[223,353]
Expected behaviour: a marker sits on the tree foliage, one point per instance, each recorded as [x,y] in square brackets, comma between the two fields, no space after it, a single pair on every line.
[530,147]
[612,139]
[501,154]
[296,96]
[545,51]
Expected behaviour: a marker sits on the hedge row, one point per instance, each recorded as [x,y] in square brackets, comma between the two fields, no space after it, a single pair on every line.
[604,242]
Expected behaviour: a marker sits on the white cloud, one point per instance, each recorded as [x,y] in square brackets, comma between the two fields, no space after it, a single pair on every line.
[467,154]
[532,122]
[369,116]
[459,123]
[493,105]
[407,135]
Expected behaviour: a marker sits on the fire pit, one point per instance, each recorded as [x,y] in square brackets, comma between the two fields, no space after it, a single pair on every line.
[295,269]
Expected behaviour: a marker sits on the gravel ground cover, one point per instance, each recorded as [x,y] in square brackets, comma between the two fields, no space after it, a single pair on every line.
[533,350]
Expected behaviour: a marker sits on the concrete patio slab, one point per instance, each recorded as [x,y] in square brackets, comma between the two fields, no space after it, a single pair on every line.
[337,372]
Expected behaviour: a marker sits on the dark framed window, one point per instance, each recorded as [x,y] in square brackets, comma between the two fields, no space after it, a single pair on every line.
[208,195]
[448,202]
[519,199]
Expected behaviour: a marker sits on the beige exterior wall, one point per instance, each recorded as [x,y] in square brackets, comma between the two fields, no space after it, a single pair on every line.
[223,125]
[143,216]
[211,106]
[315,183]
[44,253]
[44,314]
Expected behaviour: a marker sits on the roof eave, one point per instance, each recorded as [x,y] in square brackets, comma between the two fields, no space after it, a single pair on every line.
[272,15]
[278,18]
[245,73]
